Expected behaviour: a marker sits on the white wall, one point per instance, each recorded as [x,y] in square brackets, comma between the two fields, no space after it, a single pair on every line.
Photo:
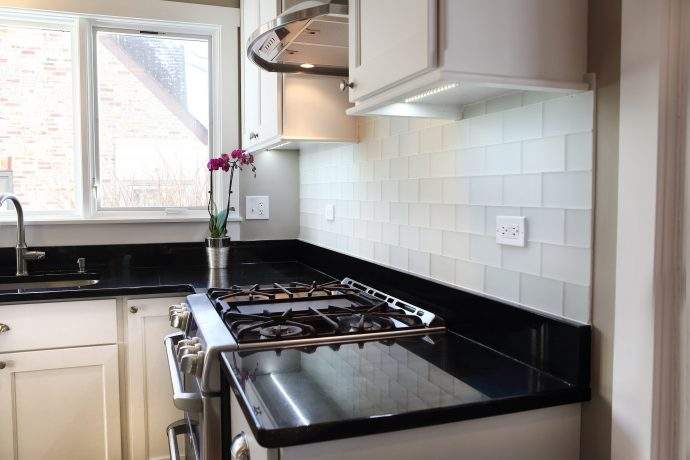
[421,196]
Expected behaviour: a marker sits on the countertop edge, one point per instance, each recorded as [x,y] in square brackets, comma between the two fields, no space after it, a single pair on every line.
[286,437]
[16,297]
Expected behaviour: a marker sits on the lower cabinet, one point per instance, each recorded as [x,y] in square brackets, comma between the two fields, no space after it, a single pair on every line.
[61,404]
[149,392]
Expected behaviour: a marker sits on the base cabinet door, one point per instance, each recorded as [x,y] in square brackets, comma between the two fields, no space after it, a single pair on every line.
[61,404]
[149,392]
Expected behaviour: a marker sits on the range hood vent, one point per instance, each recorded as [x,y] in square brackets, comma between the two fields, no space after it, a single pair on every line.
[310,37]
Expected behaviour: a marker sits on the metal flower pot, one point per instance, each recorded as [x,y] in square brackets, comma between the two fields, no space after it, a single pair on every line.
[218,251]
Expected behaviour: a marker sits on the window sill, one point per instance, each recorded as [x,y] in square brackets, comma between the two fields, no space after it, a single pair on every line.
[29,221]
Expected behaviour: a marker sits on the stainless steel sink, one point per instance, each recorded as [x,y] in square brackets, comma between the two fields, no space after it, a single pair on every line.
[47,281]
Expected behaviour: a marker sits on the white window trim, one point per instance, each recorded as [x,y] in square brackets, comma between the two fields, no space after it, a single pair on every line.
[220,24]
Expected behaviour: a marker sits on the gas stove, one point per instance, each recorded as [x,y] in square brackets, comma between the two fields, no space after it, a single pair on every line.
[303,314]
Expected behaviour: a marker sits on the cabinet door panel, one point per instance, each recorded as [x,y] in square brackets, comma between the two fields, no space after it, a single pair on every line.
[269,104]
[251,78]
[60,404]
[149,391]
[390,41]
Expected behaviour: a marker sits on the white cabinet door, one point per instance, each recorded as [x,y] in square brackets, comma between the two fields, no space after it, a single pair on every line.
[390,41]
[149,394]
[261,114]
[60,404]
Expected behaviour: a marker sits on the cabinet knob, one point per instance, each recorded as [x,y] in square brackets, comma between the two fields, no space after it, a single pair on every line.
[253,135]
[4,328]
[133,309]
[344,84]
[3,365]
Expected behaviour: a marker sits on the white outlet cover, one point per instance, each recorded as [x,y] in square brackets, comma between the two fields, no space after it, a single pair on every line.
[257,208]
[510,230]
[330,212]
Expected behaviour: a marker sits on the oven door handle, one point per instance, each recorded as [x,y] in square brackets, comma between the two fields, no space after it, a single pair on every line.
[175,429]
[188,402]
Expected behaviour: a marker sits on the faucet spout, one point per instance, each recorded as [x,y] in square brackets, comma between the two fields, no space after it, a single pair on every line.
[22,253]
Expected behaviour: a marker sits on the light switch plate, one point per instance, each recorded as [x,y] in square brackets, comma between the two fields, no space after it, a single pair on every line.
[510,230]
[330,212]
[257,207]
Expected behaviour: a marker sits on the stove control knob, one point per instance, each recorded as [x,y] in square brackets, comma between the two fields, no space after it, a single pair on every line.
[186,342]
[192,363]
[187,349]
[179,316]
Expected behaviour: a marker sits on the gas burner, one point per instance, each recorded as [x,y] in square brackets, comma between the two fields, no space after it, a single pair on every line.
[281,331]
[250,294]
[267,327]
[362,322]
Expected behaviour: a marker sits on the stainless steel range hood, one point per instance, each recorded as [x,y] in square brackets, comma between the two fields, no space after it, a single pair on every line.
[310,37]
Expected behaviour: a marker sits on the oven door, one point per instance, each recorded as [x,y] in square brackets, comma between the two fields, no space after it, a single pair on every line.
[187,398]
[175,431]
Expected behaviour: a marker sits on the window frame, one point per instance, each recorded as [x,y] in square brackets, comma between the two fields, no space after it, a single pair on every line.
[83,28]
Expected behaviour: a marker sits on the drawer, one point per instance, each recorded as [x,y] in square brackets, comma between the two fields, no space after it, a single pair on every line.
[34,326]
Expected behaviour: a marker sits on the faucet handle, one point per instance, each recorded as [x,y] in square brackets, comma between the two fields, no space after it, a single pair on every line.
[34,255]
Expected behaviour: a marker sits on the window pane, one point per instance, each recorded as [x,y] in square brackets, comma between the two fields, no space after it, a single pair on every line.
[37,138]
[153,120]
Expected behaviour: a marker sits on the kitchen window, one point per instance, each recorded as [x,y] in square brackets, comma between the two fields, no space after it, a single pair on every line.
[107,118]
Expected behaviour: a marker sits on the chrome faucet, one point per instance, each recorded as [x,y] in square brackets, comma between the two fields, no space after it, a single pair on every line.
[23,253]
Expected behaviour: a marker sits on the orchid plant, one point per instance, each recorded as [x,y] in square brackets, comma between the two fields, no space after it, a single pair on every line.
[238,158]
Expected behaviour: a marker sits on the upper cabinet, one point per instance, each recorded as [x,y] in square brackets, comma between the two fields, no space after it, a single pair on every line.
[430,57]
[284,110]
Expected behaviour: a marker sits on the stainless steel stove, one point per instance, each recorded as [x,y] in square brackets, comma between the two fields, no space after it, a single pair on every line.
[259,317]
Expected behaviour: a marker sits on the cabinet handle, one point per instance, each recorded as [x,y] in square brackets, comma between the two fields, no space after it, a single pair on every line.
[4,328]
[253,135]
[133,309]
[3,365]
[346,84]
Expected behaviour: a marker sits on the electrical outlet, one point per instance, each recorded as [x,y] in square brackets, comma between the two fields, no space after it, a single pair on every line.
[510,230]
[330,212]
[256,207]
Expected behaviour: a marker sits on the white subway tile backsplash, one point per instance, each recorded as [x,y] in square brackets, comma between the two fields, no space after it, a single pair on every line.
[545,225]
[409,144]
[579,151]
[570,114]
[568,190]
[398,257]
[456,190]
[542,293]
[470,219]
[442,268]
[400,213]
[522,123]
[389,191]
[409,237]
[486,190]
[430,190]
[431,240]
[418,166]
[540,155]
[578,228]
[470,161]
[455,245]
[486,130]
[442,216]
[484,250]
[502,283]
[422,195]
[442,164]
[419,214]
[409,190]
[469,274]
[577,303]
[432,139]
[418,262]
[523,260]
[567,264]
[503,159]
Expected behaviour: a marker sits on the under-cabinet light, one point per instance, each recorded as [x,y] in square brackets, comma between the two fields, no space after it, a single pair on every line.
[276,147]
[306,65]
[431,92]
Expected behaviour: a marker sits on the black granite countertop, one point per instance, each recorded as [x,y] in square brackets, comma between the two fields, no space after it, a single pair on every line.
[300,396]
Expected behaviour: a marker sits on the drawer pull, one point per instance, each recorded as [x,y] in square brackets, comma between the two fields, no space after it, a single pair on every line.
[133,309]
[3,365]
[4,328]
